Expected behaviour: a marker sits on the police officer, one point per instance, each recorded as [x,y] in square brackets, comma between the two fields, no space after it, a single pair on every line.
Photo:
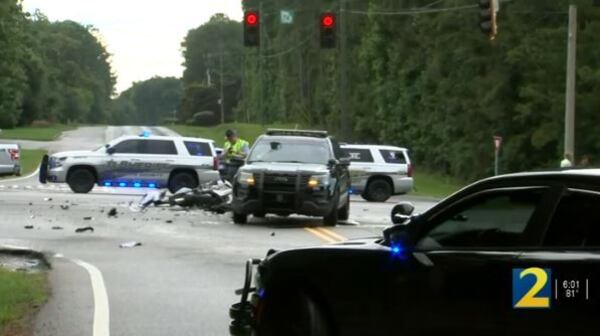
[235,151]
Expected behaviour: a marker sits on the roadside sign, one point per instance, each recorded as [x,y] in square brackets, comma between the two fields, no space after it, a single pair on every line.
[287,16]
[498,142]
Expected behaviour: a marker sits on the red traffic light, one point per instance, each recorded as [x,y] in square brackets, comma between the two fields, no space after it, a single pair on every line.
[328,20]
[251,18]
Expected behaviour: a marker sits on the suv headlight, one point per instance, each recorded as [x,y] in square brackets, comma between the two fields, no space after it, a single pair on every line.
[246,179]
[317,181]
[55,162]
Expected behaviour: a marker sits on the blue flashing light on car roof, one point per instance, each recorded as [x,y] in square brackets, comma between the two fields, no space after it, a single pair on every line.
[122,184]
[137,185]
[146,134]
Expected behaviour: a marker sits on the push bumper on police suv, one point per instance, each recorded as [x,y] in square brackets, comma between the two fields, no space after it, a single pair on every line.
[282,194]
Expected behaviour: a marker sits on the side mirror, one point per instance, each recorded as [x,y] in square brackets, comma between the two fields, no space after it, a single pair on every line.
[402,212]
[110,150]
[332,162]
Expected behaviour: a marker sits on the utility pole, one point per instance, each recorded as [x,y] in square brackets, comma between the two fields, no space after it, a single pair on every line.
[222,102]
[344,106]
[570,93]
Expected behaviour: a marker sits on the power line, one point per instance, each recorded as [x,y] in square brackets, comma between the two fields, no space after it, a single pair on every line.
[414,11]
[288,50]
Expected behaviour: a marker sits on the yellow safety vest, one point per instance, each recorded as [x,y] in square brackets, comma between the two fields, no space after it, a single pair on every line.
[236,148]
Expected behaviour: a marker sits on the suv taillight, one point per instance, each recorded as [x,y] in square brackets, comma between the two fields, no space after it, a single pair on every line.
[14,154]
[410,170]
[215,163]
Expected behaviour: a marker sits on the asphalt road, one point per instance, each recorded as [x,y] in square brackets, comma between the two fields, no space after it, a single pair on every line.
[180,281]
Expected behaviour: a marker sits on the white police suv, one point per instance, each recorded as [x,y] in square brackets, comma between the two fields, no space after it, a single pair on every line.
[135,161]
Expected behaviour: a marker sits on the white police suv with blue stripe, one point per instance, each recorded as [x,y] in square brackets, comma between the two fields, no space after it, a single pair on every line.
[143,161]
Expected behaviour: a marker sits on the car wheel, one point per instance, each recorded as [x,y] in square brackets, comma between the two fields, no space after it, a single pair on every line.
[81,180]
[240,218]
[344,212]
[182,180]
[293,314]
[378,191]
[331,219]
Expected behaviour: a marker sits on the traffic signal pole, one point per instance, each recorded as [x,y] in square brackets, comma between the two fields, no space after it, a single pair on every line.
[571,78]
[344,106]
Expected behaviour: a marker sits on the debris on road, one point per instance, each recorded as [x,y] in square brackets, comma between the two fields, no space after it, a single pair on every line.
[169,221]
[48,199]
[130,244]
[30,203]
[214,197]
[28,227]
[57,228]
[64,207]
[272,234]
[88,218]
[84,229]
[112,212]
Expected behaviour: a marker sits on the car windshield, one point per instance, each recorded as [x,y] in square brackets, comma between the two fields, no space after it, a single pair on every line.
[291,151]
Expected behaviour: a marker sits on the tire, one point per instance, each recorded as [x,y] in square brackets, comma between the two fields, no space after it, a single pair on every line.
[81,180]
[182,180]
[239,218]
[293,313]
[331,219]
[378,190]
[344,212]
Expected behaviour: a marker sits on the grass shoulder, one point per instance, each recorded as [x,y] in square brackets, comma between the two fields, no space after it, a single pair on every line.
[435,185]
[37,133]
[21,295]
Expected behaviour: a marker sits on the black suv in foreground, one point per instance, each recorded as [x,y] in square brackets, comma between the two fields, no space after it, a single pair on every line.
[511,255]
[293,172]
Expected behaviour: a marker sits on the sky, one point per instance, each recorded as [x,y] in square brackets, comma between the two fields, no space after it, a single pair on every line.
[143,36]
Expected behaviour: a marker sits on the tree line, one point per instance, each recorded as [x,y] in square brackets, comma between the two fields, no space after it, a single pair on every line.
[430,80]
[55,72]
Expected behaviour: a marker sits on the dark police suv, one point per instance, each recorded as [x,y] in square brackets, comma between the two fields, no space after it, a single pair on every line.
[293,172]
[511,255]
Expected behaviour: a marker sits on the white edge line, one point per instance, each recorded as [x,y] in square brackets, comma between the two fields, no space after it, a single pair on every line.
[101,310]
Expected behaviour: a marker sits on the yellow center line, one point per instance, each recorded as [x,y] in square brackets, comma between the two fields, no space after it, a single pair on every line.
[332,234]
[320,235]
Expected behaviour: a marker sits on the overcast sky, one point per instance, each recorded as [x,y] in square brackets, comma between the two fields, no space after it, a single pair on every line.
[143,36]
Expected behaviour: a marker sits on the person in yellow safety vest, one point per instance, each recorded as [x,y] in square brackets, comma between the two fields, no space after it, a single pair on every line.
[234,147]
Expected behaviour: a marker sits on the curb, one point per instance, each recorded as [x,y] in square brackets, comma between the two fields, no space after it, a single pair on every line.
[25,252]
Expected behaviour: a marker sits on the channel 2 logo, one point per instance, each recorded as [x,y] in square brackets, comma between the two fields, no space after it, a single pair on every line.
[531,288]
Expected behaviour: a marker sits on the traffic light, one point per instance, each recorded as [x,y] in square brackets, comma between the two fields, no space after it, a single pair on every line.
[251,29]
[488,17]
[328,30]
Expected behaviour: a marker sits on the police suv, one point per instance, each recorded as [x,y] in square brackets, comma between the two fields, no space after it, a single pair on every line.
[135,161]
[293,172]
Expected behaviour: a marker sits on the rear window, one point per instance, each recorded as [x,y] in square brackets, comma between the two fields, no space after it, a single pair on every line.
[393,156]
[160,147]
[358,155]
[198,148]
